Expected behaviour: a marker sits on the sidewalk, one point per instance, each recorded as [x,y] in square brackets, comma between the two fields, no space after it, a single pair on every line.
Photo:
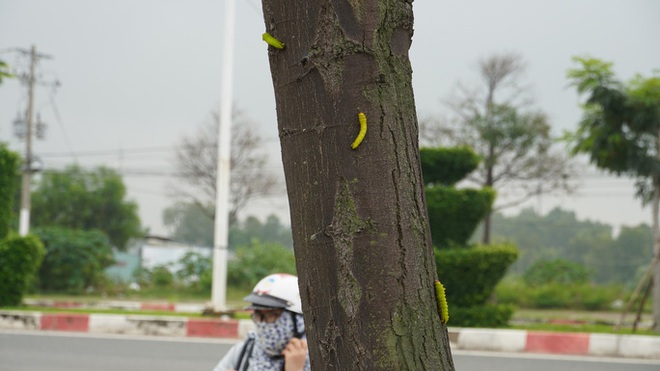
[610,345]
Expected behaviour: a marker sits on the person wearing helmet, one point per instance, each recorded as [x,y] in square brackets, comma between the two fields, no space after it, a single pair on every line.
[279,342]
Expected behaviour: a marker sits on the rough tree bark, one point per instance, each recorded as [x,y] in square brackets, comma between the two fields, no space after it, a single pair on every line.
[360,224]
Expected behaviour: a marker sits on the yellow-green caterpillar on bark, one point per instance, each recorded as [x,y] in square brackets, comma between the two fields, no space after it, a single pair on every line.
[363,130]
[275,43]
[442,302]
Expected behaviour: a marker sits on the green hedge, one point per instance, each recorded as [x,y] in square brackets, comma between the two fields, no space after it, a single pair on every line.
[447,166]
[470,275]
[583,296]
[454,214]
[20,258]
[489,315]
[8,181]
[75,261]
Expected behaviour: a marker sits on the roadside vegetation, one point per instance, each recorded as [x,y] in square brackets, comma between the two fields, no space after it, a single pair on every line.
[567,269]
[533,271]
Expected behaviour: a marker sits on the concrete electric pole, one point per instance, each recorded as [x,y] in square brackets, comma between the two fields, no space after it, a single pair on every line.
[30,81]
[220,238]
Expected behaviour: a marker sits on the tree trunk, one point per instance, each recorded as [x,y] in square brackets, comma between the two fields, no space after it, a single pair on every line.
[485,239]
[360,224]
[490,158]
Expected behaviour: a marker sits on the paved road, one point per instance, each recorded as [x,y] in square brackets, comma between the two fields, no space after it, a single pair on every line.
[479,361]
[59,351]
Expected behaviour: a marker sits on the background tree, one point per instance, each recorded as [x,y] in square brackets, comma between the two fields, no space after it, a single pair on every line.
[196,163]
[360,227]
[557,234]
[620,132]
[271,231]
[80,199]
[189,223]
[513,139]
[4,71]
[621,260]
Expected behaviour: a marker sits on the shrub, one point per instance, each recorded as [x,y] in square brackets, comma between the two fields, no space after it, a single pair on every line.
[8,180]
[470,275]
[555,271]
[513,291]
[75,260]
[557,296]
[20,258]
[258,260]
[196,272]
[161,276]
[593,297]
[552,296]
[454,214]
[489,315]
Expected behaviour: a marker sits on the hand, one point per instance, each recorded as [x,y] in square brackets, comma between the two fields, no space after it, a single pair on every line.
[295,355]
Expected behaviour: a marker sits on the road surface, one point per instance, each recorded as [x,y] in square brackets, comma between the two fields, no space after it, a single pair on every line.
[64,351]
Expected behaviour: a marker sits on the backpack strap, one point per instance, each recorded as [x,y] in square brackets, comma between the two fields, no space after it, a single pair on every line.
[244,358]
[296,333]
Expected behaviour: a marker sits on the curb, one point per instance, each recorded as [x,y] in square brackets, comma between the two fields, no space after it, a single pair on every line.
[626,346]
[126,324]
[126,305]
[520,341]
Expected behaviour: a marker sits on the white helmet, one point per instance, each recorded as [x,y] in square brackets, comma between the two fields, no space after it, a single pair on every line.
[278,290]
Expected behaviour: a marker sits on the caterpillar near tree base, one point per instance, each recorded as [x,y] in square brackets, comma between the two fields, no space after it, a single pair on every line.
[442,302]
[362,118]
[270,40]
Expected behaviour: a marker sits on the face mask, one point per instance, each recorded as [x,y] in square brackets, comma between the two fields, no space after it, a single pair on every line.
[273,337]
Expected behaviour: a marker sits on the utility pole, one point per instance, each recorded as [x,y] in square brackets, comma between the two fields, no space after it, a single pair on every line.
[30,80]
[220,238]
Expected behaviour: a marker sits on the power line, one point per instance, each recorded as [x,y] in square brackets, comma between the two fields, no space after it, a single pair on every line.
[112,152]
[58,118]
[143,172]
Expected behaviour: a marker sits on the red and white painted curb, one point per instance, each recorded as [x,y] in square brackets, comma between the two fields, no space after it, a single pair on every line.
[611,345]
[126,324]
[125,305]
[630,346]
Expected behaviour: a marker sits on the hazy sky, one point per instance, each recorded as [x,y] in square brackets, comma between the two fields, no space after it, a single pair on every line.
[137,75]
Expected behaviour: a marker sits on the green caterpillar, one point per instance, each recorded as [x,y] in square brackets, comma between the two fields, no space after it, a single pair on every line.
[270,40]
[442,302]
